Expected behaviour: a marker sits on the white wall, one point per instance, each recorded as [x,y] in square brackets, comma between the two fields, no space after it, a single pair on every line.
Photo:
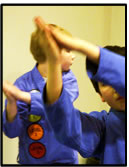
[99,24]
[117,29]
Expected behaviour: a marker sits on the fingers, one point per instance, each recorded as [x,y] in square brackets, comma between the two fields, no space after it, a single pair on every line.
[43,27]
[47,42]
[49,37]
[39,22]
[7,91]
[63,39]
[52,43]
[10,97]
[10,90]
[5,86]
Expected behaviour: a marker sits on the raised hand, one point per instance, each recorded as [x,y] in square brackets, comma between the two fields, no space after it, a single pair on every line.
[64,40]
[88,49]
[47,42]
[52,51]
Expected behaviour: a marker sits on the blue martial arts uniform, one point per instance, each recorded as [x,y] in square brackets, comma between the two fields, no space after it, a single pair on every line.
[37,142]
[98,134]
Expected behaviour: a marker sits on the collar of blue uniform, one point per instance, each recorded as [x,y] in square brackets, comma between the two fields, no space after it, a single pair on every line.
[38,79]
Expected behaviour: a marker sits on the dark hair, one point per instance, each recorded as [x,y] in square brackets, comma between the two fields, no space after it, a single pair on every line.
[115,49]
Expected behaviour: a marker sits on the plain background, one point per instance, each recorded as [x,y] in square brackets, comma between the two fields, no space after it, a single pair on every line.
[102,25]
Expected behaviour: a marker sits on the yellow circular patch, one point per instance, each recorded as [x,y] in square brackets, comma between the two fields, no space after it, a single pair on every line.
[34,118]
[35,131]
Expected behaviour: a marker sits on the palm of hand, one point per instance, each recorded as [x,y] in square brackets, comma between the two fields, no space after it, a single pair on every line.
[47,42]
[11,92]
[49,47]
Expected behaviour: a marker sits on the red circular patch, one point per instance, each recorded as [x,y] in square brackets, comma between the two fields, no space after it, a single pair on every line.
[37,150]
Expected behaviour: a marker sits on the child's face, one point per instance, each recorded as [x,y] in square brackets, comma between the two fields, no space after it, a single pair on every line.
[67,58]
[109,95]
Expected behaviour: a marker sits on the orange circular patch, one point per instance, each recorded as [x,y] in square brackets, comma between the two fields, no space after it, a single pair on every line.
[37,150]
[35,131]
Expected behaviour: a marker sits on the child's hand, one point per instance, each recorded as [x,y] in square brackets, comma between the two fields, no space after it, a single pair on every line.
[13,93]
[64,40]
[7,91]
[11,105]
[47,42]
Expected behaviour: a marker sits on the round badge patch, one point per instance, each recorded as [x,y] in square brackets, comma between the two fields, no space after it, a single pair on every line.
[37,150]
[34,118]
[35,131]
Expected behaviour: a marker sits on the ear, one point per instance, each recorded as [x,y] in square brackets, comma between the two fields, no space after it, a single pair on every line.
[102,99]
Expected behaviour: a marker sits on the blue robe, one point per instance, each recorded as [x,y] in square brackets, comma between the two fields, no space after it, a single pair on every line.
[98,134]
[37,142]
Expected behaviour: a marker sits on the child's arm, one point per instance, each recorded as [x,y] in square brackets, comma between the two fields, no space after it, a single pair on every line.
[12,123]
[52,51]
[111,66]
[13,94]
[88,49]
[80,131]
[68,127]
[110,71]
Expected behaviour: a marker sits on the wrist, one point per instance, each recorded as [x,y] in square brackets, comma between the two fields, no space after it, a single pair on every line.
[10,118]
[11,111]
[54,65]
[79,45]
[54,83]
[90,50]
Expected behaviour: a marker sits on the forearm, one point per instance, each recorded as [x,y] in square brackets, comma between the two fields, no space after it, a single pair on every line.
[90,50]
[13,93]
[11,111]
[72,127]
[115,76]
[25,96]
[54,83]
[12,129]
[12,104]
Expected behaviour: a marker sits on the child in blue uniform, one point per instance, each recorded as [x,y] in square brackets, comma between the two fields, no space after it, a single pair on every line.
[98,134]
[24,115]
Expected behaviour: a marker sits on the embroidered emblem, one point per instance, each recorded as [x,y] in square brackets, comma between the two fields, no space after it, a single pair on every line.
[34,118]
[35,131]
[37,150]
